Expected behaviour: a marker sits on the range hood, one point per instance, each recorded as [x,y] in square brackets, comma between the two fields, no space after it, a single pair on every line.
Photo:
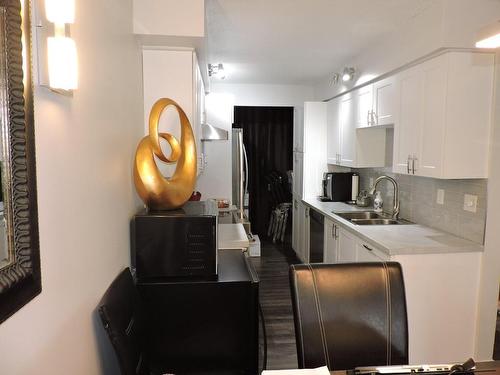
[213,133]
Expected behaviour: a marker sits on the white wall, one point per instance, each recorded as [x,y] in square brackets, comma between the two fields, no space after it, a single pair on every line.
[170,17]
[439,24]
[215,182]
[85,147]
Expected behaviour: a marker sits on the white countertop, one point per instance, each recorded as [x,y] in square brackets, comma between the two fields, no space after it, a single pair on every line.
[232,236]
[395,239]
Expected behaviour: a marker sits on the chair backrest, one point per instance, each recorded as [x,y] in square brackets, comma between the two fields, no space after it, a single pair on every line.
[349,315]
[122,315]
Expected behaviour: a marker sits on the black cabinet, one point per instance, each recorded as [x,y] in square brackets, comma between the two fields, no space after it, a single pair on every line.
[207,325]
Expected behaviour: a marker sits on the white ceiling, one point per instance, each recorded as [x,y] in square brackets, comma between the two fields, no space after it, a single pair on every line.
[298,41]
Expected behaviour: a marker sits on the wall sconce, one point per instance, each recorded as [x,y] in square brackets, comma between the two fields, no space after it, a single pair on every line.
[216,70]
[348,74]
[61,49]
[489,37]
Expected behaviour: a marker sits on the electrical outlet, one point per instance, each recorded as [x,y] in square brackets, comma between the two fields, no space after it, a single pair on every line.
[470,203]
[440,196]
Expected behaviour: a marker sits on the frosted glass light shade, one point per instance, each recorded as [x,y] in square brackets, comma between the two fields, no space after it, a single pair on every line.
[60,11]
[63,66]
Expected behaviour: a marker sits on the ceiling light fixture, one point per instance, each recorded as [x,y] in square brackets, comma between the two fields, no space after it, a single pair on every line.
[348,74]
[489,37]
[216,70]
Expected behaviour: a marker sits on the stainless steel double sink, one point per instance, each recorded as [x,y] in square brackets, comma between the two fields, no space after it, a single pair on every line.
[371,218]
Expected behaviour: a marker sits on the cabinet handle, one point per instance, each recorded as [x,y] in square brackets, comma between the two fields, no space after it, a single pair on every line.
[336,232]
[333,231]
[307,212]
[413,164]
[408,165]
[368,118]
[367,247]
[375,118]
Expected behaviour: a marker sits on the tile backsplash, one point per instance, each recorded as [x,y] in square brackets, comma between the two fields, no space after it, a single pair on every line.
[418,197]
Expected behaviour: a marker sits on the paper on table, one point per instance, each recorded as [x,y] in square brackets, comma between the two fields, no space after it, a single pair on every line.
[316,371]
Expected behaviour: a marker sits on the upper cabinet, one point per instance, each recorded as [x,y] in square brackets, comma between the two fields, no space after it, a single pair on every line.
[298,129]
[440,110]
[174,74]
[384,107]
[333,132]
[445,106]
[351,145]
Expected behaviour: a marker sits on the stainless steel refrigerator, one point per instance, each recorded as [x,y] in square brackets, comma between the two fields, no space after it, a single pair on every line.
[240,177]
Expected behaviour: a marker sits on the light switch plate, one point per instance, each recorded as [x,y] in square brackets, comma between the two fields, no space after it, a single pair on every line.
[440,196]
[470,203]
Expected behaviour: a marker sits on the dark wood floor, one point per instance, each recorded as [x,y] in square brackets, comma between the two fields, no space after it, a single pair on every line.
[272,267]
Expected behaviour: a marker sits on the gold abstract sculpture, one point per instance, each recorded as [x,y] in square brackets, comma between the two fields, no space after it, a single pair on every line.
[157,191]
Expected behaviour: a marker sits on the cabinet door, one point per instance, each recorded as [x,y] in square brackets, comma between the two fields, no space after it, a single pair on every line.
[346,246]
[364,106]
[298,129]
[368,253]
[295,225]
[304,253]
[407,130]
[298,175]
[347,131]
[429,160]
[384,101]
[330,242]
[333,132]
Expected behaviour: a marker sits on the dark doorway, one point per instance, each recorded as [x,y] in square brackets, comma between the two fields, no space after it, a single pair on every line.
[268,138]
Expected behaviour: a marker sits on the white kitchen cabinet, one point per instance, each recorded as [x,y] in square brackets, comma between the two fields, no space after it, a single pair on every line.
[300,225]
[384,110]
[302,250]
[366,252]
[333,132]
[375,103]
[174,74]
[295,224]
[330,241]
[298,174]
[298,129]
[357,147]
[407,130]
[444,122]
[346,246]
[315,148]
[364,106]
[347,131]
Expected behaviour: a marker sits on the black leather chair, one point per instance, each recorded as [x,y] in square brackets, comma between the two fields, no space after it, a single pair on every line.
[125,322]
[349,315]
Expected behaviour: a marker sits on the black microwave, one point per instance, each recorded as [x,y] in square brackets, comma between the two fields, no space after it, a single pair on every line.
[180,243]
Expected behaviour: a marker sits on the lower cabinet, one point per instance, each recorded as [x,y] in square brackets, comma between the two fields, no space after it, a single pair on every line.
[300,225]
[441,325]
[342,246]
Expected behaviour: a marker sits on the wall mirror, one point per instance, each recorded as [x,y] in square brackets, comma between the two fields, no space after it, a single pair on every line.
[19,248]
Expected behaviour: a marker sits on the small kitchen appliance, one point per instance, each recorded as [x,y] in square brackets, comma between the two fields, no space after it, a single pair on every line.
[340,186]
[180,243]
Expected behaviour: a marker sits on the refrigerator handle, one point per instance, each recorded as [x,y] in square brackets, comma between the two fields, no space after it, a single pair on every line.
[246,168]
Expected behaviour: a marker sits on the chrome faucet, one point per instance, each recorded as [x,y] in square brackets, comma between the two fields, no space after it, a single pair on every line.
[395,210]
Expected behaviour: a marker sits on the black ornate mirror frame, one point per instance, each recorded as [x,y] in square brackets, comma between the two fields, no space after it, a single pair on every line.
[20,279]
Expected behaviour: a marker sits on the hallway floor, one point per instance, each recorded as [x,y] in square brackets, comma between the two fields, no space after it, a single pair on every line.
[272,268]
